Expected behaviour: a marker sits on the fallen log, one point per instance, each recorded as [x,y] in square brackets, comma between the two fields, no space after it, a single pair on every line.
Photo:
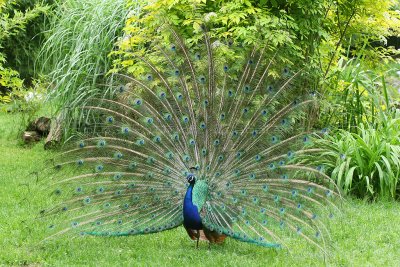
[41,125]
[30,137]
[54,137]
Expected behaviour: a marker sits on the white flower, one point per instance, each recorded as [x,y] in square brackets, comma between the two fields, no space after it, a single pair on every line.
[132,13]
[126,38]
[209,16]
[29,96]
[216,44]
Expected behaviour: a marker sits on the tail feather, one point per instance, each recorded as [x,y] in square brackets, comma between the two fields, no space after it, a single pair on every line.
[238,122]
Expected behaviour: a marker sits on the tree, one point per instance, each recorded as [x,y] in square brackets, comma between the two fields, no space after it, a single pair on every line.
[315,32]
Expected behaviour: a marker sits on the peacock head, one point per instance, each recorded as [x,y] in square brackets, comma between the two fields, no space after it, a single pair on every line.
[191,178]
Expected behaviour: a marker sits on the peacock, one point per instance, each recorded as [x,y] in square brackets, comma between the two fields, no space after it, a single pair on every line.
[207,136]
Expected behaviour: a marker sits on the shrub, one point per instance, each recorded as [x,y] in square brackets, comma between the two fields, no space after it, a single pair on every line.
[296,27]
[365,164]
[23,43]
[13,25]
[314,32]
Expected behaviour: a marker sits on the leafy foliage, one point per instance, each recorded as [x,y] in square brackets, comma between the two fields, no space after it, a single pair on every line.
[355,95]
[260,23]
[315,33]
[21,48]
[13,24]
[364,164]
[361,25]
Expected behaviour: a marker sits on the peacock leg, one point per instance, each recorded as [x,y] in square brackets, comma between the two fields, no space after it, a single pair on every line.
[197,237]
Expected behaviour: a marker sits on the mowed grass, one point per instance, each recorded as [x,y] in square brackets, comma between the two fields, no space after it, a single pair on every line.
[363,235]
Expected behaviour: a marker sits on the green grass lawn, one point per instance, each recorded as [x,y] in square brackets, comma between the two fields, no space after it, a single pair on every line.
[363,235]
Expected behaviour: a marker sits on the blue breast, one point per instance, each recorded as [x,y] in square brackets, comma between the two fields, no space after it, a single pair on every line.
[191,216]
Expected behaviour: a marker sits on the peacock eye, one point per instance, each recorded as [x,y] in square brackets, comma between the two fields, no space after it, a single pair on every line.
[234,127]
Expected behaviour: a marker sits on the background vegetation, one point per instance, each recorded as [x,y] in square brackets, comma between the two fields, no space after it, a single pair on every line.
[315,32]
[74,56]
[20,26]
[56,54]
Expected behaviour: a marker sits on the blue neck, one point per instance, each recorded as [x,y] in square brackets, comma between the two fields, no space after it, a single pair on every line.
[191,216]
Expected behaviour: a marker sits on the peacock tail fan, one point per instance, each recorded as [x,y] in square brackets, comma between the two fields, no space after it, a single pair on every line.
[237,121]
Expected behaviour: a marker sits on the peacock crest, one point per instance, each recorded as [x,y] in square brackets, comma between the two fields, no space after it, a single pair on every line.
[235,125]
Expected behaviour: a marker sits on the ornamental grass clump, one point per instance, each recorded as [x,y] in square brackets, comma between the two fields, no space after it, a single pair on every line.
[75,55]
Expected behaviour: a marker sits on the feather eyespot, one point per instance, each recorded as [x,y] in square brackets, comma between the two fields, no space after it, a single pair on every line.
[202,79]
[110,119]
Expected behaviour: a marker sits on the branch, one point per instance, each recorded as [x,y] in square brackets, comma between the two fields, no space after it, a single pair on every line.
[342,34]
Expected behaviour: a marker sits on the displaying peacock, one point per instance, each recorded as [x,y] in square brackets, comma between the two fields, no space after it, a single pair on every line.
[201,139]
